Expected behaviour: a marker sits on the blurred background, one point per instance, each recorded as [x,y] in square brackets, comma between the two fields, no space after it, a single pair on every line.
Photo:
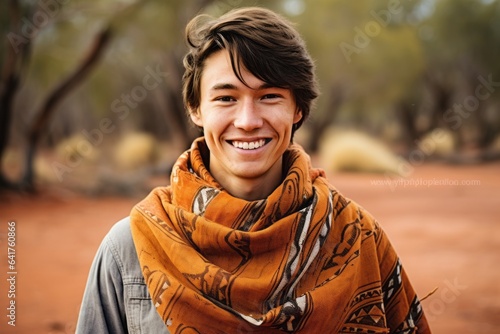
[91,118]
[96,85]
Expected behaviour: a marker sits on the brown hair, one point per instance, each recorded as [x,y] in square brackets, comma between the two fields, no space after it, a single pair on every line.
[263,42]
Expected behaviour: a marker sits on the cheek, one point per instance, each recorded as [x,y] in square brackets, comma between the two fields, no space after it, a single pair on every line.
[215,126]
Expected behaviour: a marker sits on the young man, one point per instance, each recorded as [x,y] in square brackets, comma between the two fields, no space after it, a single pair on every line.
[248,237]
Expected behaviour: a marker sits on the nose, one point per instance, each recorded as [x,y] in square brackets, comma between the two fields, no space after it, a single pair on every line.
[247,116]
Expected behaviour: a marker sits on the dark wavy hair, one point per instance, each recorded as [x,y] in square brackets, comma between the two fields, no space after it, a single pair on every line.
[258,39]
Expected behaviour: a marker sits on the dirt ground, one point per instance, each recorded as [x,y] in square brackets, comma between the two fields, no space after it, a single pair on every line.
[447,234]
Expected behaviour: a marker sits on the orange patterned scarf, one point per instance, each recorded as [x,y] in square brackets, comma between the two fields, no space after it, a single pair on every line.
[305,259]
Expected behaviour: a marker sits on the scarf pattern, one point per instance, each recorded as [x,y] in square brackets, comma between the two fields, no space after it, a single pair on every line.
[305,259]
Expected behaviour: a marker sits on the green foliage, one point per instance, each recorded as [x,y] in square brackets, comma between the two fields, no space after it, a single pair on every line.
[465,33]
[370,54]
[365,48]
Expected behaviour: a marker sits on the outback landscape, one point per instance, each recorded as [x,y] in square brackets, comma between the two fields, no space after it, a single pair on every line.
[445,226]
[407,125]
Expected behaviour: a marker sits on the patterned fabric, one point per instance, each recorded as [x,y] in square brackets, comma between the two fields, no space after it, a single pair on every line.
[305,259]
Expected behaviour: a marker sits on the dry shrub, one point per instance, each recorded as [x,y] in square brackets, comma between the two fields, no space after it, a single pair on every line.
[76,149]
[439,143]
[349,150]
[136,150]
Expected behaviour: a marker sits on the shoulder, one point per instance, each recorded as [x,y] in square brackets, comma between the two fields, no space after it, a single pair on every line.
[120,245]
[346,211]
[141,313]
[120,232]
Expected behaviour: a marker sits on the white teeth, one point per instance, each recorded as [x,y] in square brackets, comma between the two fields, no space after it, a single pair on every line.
[249,145]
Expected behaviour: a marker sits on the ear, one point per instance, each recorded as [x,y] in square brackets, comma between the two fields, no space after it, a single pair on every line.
[297,116]
[196,117]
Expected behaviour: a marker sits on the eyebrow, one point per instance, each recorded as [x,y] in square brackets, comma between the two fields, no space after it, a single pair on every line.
[222,86]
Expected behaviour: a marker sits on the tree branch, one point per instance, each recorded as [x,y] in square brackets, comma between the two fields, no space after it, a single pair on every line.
[11,74]
[57,95]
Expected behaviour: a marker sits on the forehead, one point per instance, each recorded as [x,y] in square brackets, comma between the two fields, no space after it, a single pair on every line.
[218,71]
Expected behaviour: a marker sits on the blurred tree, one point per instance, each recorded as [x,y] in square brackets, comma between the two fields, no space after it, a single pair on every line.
[13,59]
[39,125]
[143,31]
[462,42]
[377,62]
[368,56]
[411,62]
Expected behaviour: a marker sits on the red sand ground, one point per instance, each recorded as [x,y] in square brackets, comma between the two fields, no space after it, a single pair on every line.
[448,237]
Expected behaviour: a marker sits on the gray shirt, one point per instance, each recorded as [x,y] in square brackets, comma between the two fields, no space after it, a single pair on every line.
[116,299]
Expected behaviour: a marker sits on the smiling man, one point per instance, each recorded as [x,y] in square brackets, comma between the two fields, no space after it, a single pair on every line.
[248,237]
[247,125]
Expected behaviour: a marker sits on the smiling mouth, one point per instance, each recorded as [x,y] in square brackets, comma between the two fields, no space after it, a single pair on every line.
[251,145]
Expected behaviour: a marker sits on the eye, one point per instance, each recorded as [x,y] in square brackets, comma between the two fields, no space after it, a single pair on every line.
[271,96]
[225,99]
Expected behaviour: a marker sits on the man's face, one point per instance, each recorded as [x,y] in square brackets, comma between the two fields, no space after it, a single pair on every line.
[247,129]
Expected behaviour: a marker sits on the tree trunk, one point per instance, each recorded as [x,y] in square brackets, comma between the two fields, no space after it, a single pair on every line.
[319,126]
[408,123]
[11,73]
[55,97]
